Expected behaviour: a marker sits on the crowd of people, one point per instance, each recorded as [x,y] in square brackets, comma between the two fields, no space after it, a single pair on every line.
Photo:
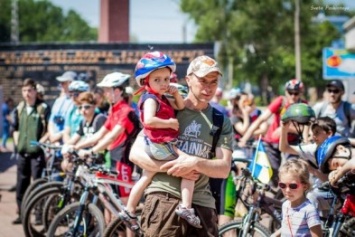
[186,143]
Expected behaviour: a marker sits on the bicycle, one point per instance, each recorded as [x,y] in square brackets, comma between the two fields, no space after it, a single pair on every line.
[50,173]
[252,194]
[341,221]
[51,198]
[85,218]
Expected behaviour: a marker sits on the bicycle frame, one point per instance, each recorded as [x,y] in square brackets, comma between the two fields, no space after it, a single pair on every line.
[101,186]
[261,203]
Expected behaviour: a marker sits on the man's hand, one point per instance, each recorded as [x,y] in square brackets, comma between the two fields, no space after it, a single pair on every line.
[66,149]
[242,143]
[180,167]
[84,154]
[194,176]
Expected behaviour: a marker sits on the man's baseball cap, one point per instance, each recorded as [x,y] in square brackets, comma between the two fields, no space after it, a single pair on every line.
[67,76]
[202,65]
[336,83]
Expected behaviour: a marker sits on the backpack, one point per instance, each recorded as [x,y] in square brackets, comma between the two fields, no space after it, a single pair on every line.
[346,108]
[217,124]
[40,107]
[137,126]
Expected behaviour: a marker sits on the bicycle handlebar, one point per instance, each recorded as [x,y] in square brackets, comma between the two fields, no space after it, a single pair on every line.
[45,145]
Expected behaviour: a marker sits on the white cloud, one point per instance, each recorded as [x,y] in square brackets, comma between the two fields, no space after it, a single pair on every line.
[347,66]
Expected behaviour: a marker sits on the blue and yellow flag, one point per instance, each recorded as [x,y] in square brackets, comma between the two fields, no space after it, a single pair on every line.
[260,166]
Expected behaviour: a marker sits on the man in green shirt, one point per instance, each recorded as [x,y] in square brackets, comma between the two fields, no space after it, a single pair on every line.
[194,163]
[30,124]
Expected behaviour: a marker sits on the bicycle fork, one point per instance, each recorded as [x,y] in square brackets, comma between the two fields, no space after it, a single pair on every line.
[80,211]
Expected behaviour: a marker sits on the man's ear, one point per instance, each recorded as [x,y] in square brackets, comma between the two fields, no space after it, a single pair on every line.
[187,78]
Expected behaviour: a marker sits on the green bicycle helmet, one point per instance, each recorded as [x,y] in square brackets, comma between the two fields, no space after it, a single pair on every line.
[300,113]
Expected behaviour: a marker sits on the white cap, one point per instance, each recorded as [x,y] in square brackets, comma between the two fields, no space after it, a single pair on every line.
[203,65]
[67,76]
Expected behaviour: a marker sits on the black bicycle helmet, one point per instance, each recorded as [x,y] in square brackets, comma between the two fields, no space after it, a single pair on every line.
[300,113]
[328,150]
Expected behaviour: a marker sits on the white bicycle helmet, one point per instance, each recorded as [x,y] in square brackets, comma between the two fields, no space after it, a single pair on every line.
[78,86]
[114,79]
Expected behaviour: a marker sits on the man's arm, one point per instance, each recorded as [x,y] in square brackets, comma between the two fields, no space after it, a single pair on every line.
[53,136]
[284,146]
[255,125]
[140,158]
[108,137]
[92,140]
[216,168]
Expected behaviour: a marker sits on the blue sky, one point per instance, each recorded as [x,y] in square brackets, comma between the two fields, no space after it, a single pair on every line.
[150,20]
[153,21]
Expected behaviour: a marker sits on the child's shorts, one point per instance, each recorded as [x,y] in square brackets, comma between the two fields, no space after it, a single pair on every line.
[160,151]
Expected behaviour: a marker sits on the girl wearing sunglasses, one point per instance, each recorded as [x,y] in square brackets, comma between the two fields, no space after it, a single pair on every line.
[92,121]
[299,216]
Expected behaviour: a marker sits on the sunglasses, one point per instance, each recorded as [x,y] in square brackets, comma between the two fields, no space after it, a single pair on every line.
[86,107]
[334,91]
[293,93]
[291,185]
[74,94]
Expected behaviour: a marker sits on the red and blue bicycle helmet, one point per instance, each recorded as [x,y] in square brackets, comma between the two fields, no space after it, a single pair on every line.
[151,62]
[294,85]
[328,150]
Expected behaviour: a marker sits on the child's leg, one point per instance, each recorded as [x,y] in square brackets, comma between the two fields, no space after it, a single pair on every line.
[187,190]
[184,210]
[138,190]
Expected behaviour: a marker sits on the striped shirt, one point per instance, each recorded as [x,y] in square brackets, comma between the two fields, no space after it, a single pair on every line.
[298,221]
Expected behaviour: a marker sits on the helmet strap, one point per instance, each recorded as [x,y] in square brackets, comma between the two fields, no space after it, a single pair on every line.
[299,129]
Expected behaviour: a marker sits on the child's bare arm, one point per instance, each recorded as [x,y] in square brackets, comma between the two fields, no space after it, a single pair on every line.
[178,102]
[150,120]
[316,231]
[276,233]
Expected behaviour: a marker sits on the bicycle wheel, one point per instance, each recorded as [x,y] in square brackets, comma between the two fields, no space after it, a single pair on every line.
[117,225]
[36,183]
[113,229]
[257,229]
[55,203]
[91,224]
[39,187]
[32,217]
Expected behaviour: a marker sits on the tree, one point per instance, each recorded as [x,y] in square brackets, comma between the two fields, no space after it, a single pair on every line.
[258,38]
[41,21]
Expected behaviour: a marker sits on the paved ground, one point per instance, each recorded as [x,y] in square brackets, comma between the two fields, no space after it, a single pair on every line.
[8,204]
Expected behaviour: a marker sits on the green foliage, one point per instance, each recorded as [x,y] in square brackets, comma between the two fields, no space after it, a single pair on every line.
[258,37]
[41,21]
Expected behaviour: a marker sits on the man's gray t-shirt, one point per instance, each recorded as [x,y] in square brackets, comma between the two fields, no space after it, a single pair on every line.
[323,109]
[194,139]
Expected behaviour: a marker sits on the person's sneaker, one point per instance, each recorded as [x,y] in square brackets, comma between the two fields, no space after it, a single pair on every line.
[189,215]
[129,219]
[17,221]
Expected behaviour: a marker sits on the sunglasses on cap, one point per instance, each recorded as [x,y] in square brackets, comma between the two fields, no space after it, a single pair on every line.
[334,91]
[291,185]
[295,93]
[84,106]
